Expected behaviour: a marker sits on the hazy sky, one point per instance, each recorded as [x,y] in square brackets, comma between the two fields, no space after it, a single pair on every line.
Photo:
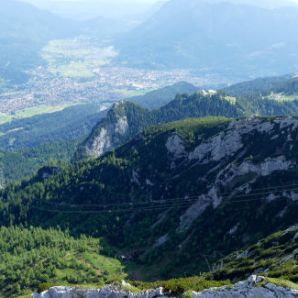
[90,1]
[98,1]
[132,9]
[86,9]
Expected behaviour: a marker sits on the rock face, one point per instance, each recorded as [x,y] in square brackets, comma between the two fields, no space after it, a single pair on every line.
[2,179]
[112,132]
[245,289]
[248,289]
[121,123]
[106,292]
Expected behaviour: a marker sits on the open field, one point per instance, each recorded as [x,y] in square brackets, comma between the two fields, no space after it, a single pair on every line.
[29,112]
[76,58]
[280,97]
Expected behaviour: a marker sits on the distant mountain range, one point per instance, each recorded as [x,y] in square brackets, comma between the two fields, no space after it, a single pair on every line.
[232,39]
[24,30]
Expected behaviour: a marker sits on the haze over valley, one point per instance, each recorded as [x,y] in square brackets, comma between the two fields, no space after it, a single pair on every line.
[105,58]
[148,149]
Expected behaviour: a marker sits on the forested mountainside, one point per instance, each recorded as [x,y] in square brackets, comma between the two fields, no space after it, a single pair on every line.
[268,96]
[276,256]
[30,143]
[265,97]
[283,85]
[79,262]
[67,124]
[176,195]
[236,40]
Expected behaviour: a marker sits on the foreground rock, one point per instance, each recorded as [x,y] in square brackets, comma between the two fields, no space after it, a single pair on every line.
[106,292]
[245,289]
[248,289]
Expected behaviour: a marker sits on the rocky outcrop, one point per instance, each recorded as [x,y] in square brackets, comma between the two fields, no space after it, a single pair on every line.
[2,179]
[244,289]
[122,122]
[227,156]
[107,136]
[106,292]
[248,289]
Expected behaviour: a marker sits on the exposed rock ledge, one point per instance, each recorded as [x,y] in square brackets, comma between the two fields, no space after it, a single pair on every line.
[106,292]
[244,289]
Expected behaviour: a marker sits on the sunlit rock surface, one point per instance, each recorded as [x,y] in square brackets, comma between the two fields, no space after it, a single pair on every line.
[245,289]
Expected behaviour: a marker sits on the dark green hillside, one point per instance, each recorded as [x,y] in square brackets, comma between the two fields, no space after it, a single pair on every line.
[30,143]
[61,259]
[21,164]
[275,256]
[161,97]
[238,178]
[68,124]
[32,259]
[274,96]
[262,86]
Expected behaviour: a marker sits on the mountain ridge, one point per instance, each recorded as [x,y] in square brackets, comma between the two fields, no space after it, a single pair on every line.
[215,40]
[126,119]
[275,96]
[185,184]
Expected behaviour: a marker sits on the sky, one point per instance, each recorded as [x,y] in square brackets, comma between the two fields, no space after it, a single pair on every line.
[92,1]
[98,1]
[85,9]
[134,10]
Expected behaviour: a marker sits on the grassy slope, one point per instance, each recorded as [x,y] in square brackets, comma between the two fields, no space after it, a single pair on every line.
[275,256]
[35,258]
